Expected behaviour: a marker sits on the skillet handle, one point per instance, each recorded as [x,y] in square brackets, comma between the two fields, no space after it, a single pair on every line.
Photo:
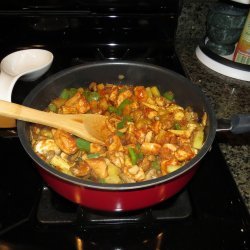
[240,124]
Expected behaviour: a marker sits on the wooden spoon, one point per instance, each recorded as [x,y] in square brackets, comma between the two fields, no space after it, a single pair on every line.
[90,127]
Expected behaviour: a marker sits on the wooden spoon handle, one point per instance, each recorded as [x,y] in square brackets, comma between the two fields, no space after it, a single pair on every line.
[81,127]
[27,114]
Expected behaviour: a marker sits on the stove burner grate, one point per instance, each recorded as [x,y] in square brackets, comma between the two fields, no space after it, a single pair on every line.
[54,209]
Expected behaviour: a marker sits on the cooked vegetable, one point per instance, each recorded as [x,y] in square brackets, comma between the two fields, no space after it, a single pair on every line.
[52,107]
[149,134]
[83,144]
[91,156]
[72,92]
[198,139]
[65,94]
[169,95]
[155,164]
[155,91]
[121,107]
[133,156]
[122,123]
[91,96]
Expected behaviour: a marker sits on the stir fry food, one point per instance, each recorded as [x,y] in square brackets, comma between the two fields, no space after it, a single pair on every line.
[149,134]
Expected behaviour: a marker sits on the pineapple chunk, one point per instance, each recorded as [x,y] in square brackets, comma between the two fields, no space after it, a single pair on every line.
[113,170]
[198,139]
[155,91]
[60,164]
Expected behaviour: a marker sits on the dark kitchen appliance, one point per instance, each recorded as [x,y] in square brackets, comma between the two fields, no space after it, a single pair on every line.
[208,214]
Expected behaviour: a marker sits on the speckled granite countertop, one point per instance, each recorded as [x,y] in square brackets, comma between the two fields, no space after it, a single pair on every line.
[228,96]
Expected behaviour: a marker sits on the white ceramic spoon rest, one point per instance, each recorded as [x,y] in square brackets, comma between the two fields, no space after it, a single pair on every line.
[29,64]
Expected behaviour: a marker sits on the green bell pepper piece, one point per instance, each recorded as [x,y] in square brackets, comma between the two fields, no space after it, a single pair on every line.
[52,107]
[65,94]
[133,156]
[83,144]
[169,95]
[91,156]
[122,105]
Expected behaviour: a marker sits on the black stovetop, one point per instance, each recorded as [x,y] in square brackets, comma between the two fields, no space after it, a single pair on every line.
[208,214]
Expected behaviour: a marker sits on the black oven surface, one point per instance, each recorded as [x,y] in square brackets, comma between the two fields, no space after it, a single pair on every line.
[208,214]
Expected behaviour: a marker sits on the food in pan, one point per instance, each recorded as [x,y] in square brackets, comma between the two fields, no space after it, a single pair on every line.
[149,134]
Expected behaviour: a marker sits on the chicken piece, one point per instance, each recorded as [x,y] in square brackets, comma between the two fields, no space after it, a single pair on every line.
[185,133]
[156,126]
[181,140]
[46,132]
[134,105]
[99,167]
[160,101]
[151,174]
[117,158]
[140,93]
[68,110]
[174,108]
[94,107]
[151,106]
[103,104]
[151,100]
[113,95]
[162,137]
[140,135]
[65,141]
[130,135]
[127,161]
[96,148]
[112,124]
[115,144]
[166,163]
[59,102]
[130,138]
[179,115]
[149,136]
[126,179]
[184,153]
[134,172]
[145,164]
[190,115]
[136,115]
[170,146]
[166,153]
[148,148]
[152,114]
[76,104]
[123,95]
[143,123]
